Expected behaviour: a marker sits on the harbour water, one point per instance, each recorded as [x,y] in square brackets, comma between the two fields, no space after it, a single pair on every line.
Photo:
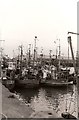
[48,102]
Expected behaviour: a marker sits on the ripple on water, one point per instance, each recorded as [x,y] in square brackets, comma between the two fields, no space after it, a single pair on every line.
[47,102]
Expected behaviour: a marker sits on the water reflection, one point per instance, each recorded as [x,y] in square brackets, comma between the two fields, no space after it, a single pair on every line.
[27,94]
[48,102]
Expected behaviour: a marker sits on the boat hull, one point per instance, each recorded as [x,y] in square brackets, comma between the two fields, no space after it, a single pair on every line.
[10,84]
[54,83]
[27,83]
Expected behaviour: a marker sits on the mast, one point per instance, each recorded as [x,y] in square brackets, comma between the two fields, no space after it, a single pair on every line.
[41,55]
[50,55]
[34,59]
[59,54]
[59,59]
[1,50]
[56,48]
[29,55]
[21,48]
[56,53]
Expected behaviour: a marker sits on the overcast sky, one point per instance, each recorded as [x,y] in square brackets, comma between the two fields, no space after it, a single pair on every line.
[22,20]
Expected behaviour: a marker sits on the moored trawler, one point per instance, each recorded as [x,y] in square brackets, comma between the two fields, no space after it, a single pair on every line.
[35,77]
[12,79]
[36,73]
[53,78]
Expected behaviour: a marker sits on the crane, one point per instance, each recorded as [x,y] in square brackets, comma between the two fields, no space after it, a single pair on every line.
[77,51]
[67,114]
[73,33]
[69,41]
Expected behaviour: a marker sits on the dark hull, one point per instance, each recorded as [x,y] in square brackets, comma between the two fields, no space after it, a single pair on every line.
[27,83]
[54,83]
[10,84]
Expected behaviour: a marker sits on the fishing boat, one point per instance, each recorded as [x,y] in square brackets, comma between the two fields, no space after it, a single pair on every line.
[27,83]
[27,79]
[26,76]
[7,80]
[62,80]
[58,77]
[20,76]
